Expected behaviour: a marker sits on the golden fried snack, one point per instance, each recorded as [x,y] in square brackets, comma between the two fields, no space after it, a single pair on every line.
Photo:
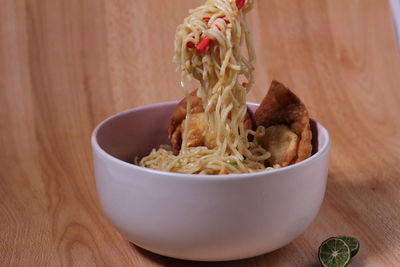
[196,125]
[281,107]
[196,130]
[281,142]
[175,128]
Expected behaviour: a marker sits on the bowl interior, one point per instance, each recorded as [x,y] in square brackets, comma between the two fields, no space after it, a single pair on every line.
[137,131]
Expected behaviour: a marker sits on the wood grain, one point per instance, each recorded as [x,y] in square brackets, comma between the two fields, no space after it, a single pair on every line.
[65,65]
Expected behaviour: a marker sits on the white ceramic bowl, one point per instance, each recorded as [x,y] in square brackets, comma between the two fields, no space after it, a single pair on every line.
[200,217]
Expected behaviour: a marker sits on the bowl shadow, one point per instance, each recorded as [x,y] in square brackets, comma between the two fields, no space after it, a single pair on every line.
[169,262]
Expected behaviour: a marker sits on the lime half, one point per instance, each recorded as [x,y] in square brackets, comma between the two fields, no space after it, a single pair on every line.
[334,252]
[353,244]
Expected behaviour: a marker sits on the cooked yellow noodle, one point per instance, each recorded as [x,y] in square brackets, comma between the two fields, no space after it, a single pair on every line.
[219,71]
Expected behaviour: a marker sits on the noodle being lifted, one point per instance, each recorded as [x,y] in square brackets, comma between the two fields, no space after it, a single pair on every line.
[211,131]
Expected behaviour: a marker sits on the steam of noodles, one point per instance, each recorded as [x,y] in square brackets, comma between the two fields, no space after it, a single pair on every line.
[219,71]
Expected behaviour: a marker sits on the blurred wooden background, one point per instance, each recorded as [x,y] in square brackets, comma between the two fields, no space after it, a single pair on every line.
[65,65]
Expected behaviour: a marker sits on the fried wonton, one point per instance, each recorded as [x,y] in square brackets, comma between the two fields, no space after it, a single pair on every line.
[196,132]
[281,142]
[178,116]
[288,135]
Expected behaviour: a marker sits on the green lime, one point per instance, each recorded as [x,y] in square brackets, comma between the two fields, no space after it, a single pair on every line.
[334,252]
[353,244]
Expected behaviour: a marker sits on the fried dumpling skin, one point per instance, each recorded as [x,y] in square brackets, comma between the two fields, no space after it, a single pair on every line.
[196,130]
[196,125]
[175,128]
[282,107]
[282,143]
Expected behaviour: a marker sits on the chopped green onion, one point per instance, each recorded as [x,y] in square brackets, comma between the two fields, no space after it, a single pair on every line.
[232,162]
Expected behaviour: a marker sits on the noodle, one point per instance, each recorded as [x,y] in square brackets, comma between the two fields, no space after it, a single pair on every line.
[219,70]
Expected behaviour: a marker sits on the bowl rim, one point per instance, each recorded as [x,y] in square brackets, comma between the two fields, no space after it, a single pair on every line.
[97,148]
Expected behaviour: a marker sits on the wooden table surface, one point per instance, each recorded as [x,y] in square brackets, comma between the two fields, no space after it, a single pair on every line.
[66,65]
